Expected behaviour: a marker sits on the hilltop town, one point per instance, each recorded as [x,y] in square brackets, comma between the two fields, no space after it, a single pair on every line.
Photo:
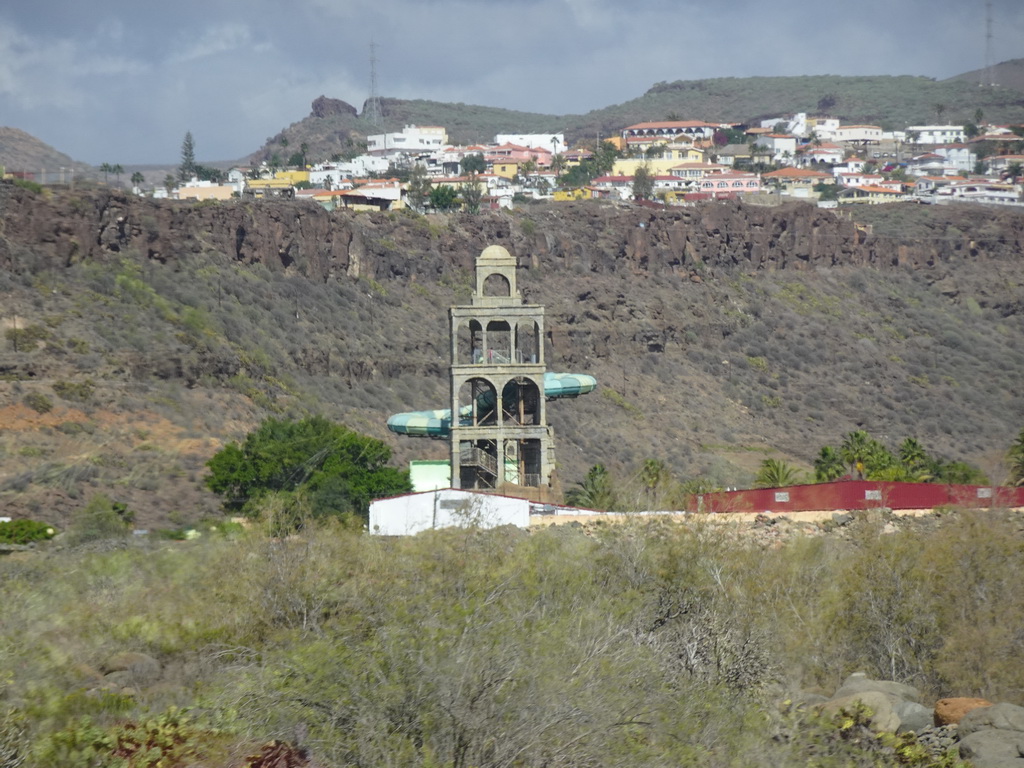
[668,162]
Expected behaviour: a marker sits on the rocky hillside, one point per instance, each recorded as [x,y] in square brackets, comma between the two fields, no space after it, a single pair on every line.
[20,151]
[141,334]
[336,127]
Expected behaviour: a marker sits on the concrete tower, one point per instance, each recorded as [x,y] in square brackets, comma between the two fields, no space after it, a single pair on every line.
[500,438]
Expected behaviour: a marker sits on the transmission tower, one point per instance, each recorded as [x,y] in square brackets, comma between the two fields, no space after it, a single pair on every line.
[373,114]
[989,62]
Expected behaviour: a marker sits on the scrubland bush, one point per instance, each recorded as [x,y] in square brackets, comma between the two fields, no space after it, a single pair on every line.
[647,643]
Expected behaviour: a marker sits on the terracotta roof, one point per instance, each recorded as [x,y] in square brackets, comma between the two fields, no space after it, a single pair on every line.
[670,124]
[796,173]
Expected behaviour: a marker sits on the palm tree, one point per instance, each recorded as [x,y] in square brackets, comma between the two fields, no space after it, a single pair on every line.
[106,168]
[939,110]
[829,465]
[117,169]
[1016,458]
[855,450]
[775,473]
[137,179]
[596,491]
[653,473]
[914,459]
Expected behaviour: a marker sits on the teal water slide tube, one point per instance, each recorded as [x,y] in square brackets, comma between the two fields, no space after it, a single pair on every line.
[438,423]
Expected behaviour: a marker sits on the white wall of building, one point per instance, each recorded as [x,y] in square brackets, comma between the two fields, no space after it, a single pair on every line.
[412,139]
[553,142]
[446,508]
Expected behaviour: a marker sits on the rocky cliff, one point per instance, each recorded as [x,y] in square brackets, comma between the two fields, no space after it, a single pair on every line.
[721,334]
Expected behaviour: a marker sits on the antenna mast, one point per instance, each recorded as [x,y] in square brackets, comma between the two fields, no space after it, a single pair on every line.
[373,115]
[989,63]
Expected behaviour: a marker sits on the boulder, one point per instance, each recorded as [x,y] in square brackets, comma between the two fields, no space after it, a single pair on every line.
[913,716]
[859,683]
[993,748]
[951,711]
[1005,717]
[138,668]
[883,718]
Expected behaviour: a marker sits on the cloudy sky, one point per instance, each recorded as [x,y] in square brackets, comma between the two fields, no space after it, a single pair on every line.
[121,81]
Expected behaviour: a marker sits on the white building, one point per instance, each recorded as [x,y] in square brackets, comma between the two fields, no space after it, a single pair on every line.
[412,140]
[356,168]
[781,145]
[446,508]
[553,142]
[796,125]
[938,134]
[858,134]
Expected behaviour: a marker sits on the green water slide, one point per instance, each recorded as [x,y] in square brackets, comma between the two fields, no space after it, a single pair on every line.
[438,423]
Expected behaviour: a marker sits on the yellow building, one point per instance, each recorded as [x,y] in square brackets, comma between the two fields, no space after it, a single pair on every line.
[569,195]
[207,192]
[507,169]
[292,177]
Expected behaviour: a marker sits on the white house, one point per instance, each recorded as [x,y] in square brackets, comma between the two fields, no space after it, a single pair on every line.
[810,156]
[937,134]
[958,156]
[858,134]
[356,168]
[412,513]
[553,142]
[412,139]
[781,145]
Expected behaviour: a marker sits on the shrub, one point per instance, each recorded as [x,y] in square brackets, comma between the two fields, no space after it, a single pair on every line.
[38,402]
[28,338]
[100,519]
[75,390]
[337,470]
[25,532]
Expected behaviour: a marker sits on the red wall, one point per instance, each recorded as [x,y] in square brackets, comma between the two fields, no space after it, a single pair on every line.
[852,494]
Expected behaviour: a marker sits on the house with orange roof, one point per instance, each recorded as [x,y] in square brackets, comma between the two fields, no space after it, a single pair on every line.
[729,184]
[643,135]
[825,153]
[797,182]
[871,195]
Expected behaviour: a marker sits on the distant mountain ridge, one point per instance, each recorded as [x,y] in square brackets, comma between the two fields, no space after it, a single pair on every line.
[20,151]
[336,127]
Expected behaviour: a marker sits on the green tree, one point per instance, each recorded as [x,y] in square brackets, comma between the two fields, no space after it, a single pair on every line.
[471,193]
[117,169]
[187,169]
[914,458]
[443,198]
[643,183]
[418,190]
[137,179]
[596,491]
[337,470]
[829,465]
[106,168]
[775,473]
[169,182]
[1016,460]
[474,163]
[855,450]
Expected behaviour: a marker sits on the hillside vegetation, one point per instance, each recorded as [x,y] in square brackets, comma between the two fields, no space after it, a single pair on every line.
[641,644]
[142,335]
[893,102]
